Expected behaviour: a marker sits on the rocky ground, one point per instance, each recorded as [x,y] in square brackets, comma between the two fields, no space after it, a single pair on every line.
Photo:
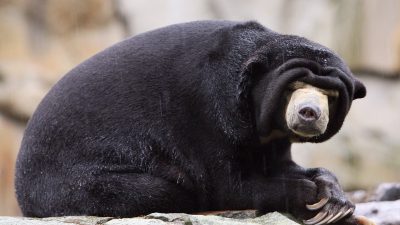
[246,218]
[381,205]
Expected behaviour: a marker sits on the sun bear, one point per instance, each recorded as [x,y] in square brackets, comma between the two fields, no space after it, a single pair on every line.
[191,117]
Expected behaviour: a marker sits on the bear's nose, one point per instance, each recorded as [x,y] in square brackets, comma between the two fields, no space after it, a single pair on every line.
[309,113]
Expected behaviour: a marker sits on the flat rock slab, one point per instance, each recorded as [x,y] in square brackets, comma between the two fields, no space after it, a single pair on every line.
[68,220]
[236,218]
[383,213]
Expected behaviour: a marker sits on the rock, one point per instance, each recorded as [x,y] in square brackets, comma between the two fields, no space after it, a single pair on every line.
[40,42]
[68,220]
[384,192]
[379,42]
[358,196]
[65,16]
[271,218]
[21,89]
[381,205]
[383,213]
[10,137]
[355,29]
[158,219]
[141,221]
[240,214]
[142,16]
[387,192]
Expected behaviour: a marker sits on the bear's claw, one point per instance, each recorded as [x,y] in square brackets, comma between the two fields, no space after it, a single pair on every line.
[320,216]
[318,205]
[326,216]
[325,221]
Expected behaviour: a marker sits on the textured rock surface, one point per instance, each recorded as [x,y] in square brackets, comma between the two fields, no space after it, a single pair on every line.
[79,220]
[388,192]
[381,205]
[384,192]
[356,29]
[42,40]
[383,213]
[240,218]
[10,136]
[157,219]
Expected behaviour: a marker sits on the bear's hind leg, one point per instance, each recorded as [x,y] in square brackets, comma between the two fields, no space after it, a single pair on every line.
[134,194]
[115,194]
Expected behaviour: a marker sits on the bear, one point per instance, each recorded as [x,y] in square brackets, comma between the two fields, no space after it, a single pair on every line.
[192,117]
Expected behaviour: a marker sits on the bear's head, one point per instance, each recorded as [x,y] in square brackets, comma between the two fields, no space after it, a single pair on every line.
[307,109]
[303,100]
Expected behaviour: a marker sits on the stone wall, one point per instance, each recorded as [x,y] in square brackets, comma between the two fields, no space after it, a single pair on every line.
[40,40]
[365,32]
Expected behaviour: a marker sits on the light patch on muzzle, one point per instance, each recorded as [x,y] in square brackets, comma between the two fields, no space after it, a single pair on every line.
[307,112]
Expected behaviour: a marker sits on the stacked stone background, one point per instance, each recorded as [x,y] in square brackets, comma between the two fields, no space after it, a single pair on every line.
[40,40]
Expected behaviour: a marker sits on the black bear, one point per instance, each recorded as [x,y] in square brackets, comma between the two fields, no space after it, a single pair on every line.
[191,117]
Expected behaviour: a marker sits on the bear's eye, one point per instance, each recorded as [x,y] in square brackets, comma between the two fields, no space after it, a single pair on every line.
[332,100]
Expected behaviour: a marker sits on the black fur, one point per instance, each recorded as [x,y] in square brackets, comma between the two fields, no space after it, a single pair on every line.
[170,120]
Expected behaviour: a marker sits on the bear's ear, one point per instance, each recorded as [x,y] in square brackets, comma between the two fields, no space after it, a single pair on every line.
[359,90]
[256,65]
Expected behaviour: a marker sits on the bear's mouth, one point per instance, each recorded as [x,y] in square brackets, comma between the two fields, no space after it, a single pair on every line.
[307,120]
[308,109]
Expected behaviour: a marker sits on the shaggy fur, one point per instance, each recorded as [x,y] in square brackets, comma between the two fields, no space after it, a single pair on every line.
[171,120]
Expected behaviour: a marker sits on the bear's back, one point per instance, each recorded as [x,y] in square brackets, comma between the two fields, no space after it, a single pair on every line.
[143,86]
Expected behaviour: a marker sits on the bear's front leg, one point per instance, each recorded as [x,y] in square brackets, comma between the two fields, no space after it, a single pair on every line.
[333,204]
[265,195]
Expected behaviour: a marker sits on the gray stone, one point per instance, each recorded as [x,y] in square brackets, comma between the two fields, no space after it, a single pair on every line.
[387,192]
[384,192]
[246,218]
[10,139]
[138,221]
[383,213]
[185,219]
[355,29]
[239,214]
[69,220]
[358,196]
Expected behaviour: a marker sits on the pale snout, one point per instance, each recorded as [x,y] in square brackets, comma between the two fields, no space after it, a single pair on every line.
[307,112]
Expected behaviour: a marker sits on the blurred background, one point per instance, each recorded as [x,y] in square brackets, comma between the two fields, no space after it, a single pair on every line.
[40,40]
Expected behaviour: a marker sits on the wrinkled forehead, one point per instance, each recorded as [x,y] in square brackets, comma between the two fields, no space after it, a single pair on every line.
[298,85]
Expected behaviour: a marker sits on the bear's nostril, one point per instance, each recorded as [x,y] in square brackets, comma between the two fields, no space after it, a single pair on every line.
[309,113]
